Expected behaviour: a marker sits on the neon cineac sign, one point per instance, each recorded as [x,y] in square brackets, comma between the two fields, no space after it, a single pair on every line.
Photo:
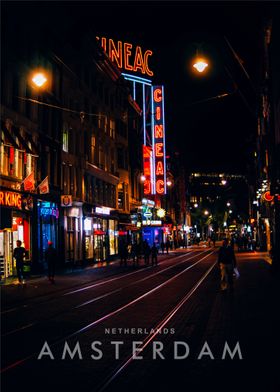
[127,56]
[158,137]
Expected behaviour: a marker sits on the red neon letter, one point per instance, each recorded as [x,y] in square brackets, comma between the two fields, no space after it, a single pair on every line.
[157,95]
[114,53]
[158,113]
[138,61]
[159,147]
[147,187]
[146,55]
[127,54]
[160,186]
[158,131]
[159,169]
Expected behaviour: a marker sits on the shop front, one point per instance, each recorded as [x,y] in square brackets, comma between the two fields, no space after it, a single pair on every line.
[100,233]
[72,223]
[47,229]
[15,225]
[153,232]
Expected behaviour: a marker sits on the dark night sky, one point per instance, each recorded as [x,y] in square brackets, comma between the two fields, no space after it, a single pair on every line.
[213,135]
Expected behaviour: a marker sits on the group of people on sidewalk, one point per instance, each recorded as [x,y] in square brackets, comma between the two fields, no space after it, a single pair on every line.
[135,252]
[226,260]
[19,254]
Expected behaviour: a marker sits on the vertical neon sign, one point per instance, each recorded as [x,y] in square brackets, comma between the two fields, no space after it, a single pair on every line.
[147,164]
[158,136]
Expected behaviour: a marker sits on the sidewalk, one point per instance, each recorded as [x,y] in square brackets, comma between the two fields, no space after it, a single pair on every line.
[65,271]
[249,316]
[12,280]
[37,286]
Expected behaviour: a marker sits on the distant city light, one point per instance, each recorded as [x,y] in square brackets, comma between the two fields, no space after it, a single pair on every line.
[224,182]
[228,204]
[230,211]
[143,178]
[195,205]
[206,212]
[168,183]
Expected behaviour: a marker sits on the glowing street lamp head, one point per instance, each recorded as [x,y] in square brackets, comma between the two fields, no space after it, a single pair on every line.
[224,182]
[195,205]
[206,212]
[228,204]
[168,183]
[39,79]
[143,178]
[200,65]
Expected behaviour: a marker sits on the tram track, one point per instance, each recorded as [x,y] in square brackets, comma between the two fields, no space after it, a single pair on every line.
[99,297]
[110,314]
[83,287]
[156,330]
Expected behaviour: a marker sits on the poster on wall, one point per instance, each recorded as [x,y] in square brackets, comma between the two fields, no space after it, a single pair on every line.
[139,170]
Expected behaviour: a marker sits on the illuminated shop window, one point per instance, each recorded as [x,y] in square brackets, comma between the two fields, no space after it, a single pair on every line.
[65,138]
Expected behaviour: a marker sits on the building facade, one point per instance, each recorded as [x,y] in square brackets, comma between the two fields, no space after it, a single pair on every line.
[72,137]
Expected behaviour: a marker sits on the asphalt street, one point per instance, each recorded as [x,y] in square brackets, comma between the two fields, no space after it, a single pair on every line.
[80,333]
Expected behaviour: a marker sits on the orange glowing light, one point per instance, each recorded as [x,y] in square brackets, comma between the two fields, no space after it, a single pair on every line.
[159,131]
[158,113]
[147,187]
[126,56]
[200,65]
[159,148]
[267,196]
[157,95]
[160,186]
[39,79]
[159,169]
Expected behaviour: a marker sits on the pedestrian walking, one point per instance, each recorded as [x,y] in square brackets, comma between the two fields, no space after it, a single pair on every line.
[227,263]
[19,254]
[167,246]
[134,254]
[123,254]
[50,257]
[129,249]
[154,253]
[162,247]
[147,251]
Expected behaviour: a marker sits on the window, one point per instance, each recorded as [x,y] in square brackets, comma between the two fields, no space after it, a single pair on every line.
[101,157]
[120,197]
[112,160]
[18,162]
[105,124]
[112,129]
[65,138]
[4,158]
[92,149]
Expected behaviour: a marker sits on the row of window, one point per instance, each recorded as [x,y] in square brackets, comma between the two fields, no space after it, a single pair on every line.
[99,191]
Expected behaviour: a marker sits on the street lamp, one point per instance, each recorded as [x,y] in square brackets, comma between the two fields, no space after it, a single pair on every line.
[206,212]
[200,65]
[39,79]
[228,204]
[143,178]
[168,183]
